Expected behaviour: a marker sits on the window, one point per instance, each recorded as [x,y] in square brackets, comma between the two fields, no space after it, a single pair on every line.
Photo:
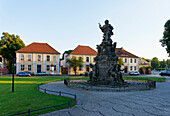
[29,67]
[39,57]
[48,58]
[87,59]
[80,68]
[22,57]
[134,67]
[125,60]
[130,60]
[135,61]
[54,67]
[54,58]
[87,68]
[22,67]
[29,57]
[131,67]
[48,67]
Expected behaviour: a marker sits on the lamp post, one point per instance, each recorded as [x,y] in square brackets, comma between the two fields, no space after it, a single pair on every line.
[13,74]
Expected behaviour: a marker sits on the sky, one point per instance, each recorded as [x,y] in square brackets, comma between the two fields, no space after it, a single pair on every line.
[65,24]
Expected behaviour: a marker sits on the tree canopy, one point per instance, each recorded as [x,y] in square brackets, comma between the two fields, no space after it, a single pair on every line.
[120,61]
[8,45]
[165,42]
[155,62]
[74,62]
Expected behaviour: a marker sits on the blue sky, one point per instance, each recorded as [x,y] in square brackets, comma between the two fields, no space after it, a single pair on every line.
[64,24]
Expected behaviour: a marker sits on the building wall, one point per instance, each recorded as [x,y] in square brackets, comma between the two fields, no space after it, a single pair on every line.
[143,63]
[34,62]
[131,65]
[85,63]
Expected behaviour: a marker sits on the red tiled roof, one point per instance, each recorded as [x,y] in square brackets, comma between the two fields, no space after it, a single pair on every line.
[38,48]
[83,50]
[120,52]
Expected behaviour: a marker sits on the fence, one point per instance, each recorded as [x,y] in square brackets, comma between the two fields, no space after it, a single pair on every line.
[45,91]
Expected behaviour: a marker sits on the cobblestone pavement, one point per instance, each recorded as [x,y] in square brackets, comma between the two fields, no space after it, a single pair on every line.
[140,103]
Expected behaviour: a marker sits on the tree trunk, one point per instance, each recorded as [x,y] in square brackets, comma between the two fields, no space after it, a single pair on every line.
[74,70]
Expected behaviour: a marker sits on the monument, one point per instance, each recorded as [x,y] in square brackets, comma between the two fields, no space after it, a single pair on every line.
[106,70]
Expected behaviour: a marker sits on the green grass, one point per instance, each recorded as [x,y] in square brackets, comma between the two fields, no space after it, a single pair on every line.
[157,79]
[27,96]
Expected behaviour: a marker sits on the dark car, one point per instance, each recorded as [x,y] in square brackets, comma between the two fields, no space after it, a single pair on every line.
[23,74]
[165,73]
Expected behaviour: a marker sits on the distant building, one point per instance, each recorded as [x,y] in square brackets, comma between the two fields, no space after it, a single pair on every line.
[38,57]
[131,61]
[144,63]
[86,52]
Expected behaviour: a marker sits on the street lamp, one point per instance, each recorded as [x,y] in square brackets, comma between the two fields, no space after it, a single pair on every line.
[13,74]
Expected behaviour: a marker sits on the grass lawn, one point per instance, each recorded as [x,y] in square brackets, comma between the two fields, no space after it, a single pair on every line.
[27,96]
[157,79]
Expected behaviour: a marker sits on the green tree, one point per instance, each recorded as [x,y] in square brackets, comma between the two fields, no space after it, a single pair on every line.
[168,63]
[66,52]
[155,62]
[74,63]
[165,42]
[163,64]
[8,45]
[120,61]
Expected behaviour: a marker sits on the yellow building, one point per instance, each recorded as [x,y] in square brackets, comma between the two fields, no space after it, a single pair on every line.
[88,55]
[144,63]
[36,58]
[131,61]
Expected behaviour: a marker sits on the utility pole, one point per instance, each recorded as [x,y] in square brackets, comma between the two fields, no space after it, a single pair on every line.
[13,74]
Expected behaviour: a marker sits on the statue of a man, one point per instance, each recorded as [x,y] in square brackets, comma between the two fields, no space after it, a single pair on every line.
[106,29]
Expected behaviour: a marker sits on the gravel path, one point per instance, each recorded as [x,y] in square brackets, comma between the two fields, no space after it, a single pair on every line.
[91,103]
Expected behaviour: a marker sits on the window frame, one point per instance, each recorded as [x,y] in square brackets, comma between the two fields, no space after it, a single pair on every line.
[48,58]
[47,67]
[38,58]
[131,60]
[29,59]
[29,68]
[87,59]
[22,57]
[54,59]
[22,67]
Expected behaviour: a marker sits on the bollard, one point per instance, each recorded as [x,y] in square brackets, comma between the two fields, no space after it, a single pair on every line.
[69,104]
[59,93]
[75,97]
[29,112]
[44,90]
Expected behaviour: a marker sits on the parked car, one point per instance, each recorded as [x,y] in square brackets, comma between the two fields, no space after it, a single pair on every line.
[28,72]
[134,73]
[42,74]
[84,74]
[165,73]
[23,74]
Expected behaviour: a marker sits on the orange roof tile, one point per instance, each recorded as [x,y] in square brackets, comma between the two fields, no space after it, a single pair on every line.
[120,52]
[83,50]
[38,48]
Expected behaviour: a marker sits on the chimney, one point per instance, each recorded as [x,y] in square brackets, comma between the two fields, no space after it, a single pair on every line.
[121,48]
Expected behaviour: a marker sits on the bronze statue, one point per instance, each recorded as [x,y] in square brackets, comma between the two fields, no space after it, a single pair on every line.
[107,30]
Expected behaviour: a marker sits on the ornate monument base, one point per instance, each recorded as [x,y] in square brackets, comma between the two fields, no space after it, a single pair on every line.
[106,70]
